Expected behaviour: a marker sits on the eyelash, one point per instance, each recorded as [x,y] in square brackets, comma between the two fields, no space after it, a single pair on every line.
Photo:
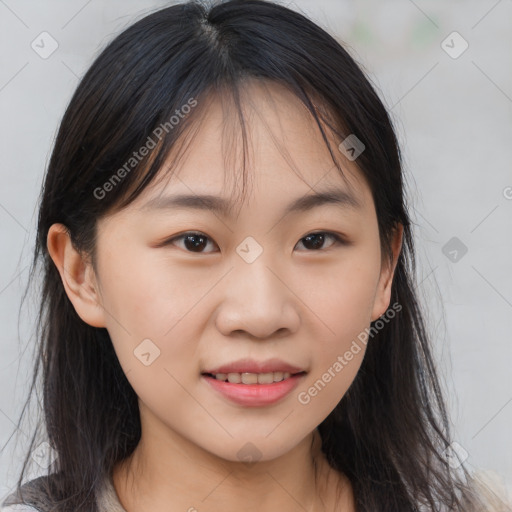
[339,240]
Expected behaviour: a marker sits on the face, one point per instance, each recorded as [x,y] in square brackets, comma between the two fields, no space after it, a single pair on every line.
[186,290]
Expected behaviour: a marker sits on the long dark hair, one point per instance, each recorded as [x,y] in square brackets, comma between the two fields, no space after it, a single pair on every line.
[390,431]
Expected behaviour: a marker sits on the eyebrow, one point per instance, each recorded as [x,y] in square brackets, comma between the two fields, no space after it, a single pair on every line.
[220,205]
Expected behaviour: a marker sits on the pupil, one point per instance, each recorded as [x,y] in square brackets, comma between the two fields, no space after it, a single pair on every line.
[316,236]
[192,245]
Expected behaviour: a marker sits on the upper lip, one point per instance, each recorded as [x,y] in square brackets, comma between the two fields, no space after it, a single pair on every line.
[252,366]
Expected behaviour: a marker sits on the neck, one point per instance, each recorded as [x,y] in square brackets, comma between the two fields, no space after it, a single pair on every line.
[178,475]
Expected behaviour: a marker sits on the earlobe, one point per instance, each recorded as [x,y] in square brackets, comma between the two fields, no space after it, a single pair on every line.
[383,296]
[77,276]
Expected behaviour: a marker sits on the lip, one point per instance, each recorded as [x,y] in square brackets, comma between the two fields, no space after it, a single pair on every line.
[255,395]
[251,366]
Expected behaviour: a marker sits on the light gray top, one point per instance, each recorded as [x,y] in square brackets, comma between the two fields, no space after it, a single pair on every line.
[107,501]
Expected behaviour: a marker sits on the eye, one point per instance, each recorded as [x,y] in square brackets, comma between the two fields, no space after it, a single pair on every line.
[197,241]
[193,241]
[316,240]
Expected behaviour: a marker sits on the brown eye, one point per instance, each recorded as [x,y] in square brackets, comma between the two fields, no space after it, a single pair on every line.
[192,242]
[315,241]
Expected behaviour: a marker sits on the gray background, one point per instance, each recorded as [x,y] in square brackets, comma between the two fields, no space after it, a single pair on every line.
[453,116]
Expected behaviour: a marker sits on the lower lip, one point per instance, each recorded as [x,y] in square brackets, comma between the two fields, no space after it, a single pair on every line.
[255,395]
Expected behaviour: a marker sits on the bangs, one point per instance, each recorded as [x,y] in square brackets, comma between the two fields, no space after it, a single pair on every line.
[174,140]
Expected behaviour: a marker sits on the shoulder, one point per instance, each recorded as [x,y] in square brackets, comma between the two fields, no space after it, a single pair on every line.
[35,496]
[32,498]
[494,490]
[18,508]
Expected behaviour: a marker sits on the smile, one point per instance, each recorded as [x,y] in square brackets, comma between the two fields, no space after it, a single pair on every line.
[254,389]
[252,378]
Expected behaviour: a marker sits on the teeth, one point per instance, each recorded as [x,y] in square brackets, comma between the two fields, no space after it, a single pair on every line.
[253,378]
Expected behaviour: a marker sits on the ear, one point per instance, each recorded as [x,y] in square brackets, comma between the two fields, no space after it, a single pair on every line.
[383,293]
[77,276]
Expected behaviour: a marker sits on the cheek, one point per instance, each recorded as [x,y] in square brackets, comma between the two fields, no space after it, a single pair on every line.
[148,315]
[341,295]
[159,357]
[342,306]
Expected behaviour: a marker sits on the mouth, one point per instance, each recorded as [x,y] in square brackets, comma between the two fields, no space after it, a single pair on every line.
[248,378]
[253,389]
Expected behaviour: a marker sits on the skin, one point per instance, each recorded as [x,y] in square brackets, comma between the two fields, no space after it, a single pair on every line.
[202,309]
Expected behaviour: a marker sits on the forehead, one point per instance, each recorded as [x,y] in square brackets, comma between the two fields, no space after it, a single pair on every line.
[276,141]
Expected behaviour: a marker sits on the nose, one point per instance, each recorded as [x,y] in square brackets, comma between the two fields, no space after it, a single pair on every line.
[257,298]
